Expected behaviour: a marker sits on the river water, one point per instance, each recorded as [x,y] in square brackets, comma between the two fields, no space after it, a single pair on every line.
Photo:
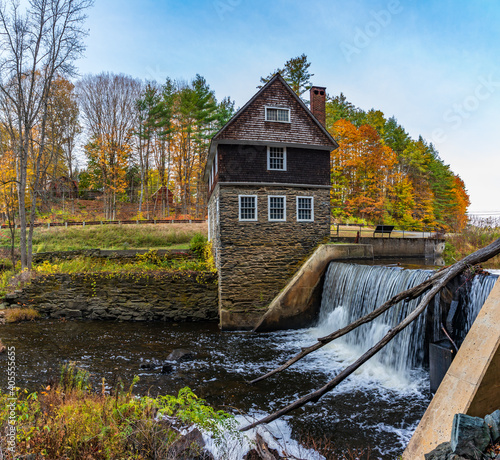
[373,409]
[377,408]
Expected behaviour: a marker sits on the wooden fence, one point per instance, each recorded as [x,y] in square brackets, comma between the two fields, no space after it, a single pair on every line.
[111,222]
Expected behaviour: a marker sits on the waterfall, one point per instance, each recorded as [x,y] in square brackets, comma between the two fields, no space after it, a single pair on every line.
[475,296]
[351,291]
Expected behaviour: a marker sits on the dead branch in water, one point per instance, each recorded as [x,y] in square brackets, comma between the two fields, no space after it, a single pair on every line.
[433,285]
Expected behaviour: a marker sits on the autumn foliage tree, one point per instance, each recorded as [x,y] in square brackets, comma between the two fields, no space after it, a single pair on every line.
[155,139]
[107,167]
[8,189]
[381,175]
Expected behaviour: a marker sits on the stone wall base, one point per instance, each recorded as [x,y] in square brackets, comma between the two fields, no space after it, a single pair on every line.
[158,296]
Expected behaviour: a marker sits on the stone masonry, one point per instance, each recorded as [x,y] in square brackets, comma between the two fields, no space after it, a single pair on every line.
[256,259]
[161,296]
[274,145]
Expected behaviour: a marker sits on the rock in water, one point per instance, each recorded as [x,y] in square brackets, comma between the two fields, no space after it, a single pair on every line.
[147,366]
[469,436]
[441,452]
[190,446]
[262,451]
[180,354]
[167,368]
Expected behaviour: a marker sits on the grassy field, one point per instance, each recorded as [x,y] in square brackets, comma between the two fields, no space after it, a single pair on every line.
[142,236]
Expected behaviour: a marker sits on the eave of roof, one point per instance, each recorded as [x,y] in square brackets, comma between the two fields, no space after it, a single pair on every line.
[277,76]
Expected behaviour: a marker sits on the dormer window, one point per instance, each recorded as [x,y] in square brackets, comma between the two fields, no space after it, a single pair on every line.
[278,114]
[276,158]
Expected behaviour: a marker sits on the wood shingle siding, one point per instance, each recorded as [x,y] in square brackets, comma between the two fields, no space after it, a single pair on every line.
[248,163]
[251,124]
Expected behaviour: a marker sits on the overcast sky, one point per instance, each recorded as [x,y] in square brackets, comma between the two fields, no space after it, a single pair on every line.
[434,65]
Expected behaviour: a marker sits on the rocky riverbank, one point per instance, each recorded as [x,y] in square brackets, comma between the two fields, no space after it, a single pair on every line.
[472,438]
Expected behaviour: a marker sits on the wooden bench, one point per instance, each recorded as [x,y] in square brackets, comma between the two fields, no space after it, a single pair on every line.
[383,229]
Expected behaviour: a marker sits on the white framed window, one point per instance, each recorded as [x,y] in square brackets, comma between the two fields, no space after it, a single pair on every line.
[305,209]
[279,114]
[276,158]
[276,206]
[248,207]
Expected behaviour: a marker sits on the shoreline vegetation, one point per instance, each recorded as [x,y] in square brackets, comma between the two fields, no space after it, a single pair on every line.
[477,234]
[71,420]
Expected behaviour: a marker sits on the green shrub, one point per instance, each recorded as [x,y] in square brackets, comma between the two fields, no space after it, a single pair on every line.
[5,264]
[197,245]
[5,278]
[73,378]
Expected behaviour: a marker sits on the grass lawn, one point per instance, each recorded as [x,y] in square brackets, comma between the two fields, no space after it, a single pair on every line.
[142,236]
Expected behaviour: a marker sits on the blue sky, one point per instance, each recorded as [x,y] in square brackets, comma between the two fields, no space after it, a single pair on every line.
[433,64]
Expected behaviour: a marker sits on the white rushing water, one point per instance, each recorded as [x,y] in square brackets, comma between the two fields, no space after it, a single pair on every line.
[480,289]
[351,291]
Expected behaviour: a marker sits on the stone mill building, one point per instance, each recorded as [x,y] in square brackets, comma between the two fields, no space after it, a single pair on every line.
[268,175]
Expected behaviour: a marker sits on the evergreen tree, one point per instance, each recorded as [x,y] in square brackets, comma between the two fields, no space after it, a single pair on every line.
[295,73]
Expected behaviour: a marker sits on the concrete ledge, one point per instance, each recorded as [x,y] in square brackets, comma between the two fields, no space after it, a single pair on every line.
[471,385]
[385,247]
[299,302]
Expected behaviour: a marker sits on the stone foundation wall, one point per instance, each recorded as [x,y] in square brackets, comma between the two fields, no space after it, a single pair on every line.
[256,259]
[164,296]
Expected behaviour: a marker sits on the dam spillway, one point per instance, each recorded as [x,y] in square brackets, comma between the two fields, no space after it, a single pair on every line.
[352,290]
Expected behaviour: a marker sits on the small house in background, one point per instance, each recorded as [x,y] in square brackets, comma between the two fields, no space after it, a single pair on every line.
[163,195]
[62,187]
[268,176]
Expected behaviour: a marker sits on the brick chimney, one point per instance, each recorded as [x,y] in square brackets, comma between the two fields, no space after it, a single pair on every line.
[318,100]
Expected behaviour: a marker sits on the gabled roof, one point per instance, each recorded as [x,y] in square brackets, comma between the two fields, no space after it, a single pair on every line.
[222,135]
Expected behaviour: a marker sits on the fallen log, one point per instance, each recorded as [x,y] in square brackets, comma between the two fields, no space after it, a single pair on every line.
[433,285]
